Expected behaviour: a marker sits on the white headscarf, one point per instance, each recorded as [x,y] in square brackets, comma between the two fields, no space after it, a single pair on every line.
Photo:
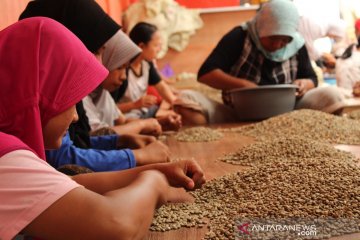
[119,49]
[312,29]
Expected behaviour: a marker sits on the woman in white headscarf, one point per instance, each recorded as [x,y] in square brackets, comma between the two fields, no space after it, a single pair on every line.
[312,30]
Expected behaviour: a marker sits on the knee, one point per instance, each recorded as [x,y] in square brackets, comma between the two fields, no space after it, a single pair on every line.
[326,99]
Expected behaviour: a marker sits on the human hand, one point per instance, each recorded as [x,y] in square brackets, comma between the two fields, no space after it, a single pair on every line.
[185,173]
[155,152]
[329,60]
[304,85]
[150,126]
[356,89]
[170,122]
[243,83]
[146,101]
[134,141]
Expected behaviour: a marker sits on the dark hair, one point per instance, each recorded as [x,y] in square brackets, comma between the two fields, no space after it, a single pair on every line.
[142,32]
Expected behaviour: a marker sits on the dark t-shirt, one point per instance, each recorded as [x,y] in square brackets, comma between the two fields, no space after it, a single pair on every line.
[227,52]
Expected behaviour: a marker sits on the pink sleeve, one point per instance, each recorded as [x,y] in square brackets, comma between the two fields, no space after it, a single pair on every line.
[28,186]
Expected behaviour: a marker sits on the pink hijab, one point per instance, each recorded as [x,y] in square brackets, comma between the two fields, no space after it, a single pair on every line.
[44,70]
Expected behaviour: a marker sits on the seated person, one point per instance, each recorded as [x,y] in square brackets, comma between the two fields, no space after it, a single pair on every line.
[100,108]
[132,97]
[264,51]
[32,193]
[94,27]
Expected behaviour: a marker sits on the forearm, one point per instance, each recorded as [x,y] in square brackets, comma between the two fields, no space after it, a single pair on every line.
[223,81]
[127,128]
[120,214]
[97,160]
[103,182]
[135,204]
[165,92]
[135,126]
[127,107]
[304,85]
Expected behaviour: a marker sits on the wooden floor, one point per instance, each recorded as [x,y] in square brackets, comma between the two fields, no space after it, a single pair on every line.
[206,154]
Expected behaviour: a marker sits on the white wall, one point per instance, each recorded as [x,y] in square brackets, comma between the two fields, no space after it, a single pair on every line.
[319,9]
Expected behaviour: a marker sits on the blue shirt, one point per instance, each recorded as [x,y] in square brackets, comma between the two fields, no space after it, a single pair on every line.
[102,157]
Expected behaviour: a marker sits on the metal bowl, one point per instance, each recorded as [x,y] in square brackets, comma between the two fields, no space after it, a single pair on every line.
[259,103]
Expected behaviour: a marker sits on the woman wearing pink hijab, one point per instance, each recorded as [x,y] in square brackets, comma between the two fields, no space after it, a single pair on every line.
[45,70]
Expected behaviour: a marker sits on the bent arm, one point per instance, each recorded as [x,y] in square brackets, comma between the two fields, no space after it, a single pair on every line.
[139,126]
[96,160]
[102,182]
[305,69]
[120,214]
[128,106]
[58,208]
[216,68]
[165,92]
[306,78]
[185,173]
[220,80]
